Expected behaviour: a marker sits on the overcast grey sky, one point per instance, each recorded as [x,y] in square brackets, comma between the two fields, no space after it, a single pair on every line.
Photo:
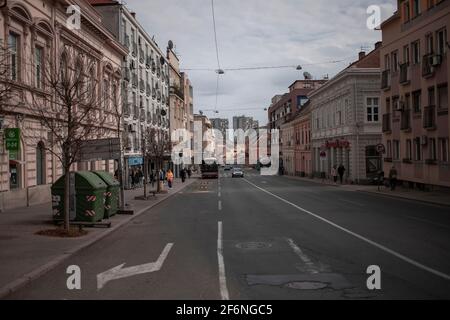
[258,33]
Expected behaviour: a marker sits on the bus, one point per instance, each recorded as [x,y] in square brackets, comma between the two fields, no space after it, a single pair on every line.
[210,168]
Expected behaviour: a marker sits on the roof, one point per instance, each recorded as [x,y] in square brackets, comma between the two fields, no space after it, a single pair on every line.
[99,2]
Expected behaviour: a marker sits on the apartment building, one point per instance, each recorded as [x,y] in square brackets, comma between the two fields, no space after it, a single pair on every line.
[415,93]
[145,85]
[36,37]
[346,120]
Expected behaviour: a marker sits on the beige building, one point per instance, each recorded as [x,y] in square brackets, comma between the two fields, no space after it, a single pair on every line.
[35,34]
[415,94]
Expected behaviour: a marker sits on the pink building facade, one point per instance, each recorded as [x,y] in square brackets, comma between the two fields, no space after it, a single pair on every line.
[415,95]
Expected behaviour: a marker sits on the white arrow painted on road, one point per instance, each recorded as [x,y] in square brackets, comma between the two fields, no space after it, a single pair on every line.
[119,272]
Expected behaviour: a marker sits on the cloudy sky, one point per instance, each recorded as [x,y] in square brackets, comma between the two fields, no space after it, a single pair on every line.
[254,33]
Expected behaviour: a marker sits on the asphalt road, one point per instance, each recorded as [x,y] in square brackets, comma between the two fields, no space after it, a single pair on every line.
[265,238]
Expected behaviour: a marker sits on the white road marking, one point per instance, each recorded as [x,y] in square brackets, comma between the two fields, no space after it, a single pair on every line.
[220,205]
[222,277]
[356,235]
[306,260]
[119,272]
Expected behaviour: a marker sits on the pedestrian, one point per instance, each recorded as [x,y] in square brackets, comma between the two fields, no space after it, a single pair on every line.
[140,178]
[183,175]
[169,177]
[189,172]
[393,178]
[341,171]
[334,174]
[152,178]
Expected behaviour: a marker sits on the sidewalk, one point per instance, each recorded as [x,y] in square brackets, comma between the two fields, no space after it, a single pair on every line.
[431,197]
[26,256]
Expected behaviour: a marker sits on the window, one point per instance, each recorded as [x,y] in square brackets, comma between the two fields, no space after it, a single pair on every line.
[106,97]
[13,44]
[443,150]
[394,60]
[396,154]
[40,164]
[430,4]
[416,97]
[389,149]
[441,39]
[442,96]
[406,54]
[38,57]
[417,150]
[431,96]
[373,108]
[408,149]
[406,11]
[416,8]
[430,43]
[416,52]
[387,62]
[432,149]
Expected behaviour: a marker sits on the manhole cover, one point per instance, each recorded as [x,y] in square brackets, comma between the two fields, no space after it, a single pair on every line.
[253,245]
[306,285]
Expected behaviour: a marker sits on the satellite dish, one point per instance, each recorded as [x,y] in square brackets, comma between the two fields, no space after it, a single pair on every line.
[170,44]
[163,113]
[307,76]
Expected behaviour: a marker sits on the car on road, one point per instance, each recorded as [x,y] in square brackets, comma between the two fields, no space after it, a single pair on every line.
[237,173]
[228,167]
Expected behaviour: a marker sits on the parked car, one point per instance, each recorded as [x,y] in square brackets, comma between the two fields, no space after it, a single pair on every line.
[237,173]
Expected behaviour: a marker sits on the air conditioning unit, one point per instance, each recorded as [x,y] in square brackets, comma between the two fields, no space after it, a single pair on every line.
[424,140]
[436,60]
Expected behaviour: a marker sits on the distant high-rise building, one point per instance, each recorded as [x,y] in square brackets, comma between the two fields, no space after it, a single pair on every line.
[244,123]
[220,124]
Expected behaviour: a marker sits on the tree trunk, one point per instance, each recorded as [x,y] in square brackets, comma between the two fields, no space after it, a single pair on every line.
[67,199]
[120,176]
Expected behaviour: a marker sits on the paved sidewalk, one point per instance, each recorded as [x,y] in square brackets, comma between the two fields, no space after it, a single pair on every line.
[432,197]
[25,256]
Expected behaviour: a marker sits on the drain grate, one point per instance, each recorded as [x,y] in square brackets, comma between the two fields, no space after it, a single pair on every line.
[306,285]
[253,245]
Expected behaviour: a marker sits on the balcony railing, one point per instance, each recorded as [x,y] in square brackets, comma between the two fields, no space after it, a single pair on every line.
[429,118]
[387,122]
[405,123]
[404,73]
[386,79]
[177,91]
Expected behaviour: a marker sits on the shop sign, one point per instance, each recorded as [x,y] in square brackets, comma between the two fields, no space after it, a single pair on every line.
[345,144]
[12,139]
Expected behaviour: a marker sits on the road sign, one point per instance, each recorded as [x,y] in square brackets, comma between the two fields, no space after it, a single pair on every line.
[380,148]
[12,139]
[101,149]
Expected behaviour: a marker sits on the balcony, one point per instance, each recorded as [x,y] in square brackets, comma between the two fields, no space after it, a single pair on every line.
[177,91]
[405,122]
[429,118]
[386,80]
[387,123]
[404,73]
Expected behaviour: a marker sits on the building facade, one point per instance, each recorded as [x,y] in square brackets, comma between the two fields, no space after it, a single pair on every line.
[35,36]
[415,92]
[244,123]
[145,85]
[346,120]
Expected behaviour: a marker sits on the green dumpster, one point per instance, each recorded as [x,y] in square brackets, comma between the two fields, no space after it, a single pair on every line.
[89,193]
[111,194]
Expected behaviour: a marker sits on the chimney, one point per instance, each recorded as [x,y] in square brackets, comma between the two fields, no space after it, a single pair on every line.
[378,45]
[362,54]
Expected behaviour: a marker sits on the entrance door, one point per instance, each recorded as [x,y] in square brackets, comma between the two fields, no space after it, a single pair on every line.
[373,161]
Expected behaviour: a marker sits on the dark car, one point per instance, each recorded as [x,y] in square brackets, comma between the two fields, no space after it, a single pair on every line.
[237,173]
[228,168]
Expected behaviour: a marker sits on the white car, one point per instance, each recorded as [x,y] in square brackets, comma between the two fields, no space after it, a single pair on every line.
[237,173]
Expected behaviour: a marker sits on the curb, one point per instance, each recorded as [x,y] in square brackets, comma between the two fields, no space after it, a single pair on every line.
[42,270]
[405,198]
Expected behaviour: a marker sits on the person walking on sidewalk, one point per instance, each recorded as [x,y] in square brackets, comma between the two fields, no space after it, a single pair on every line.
[189,172]
[393,178]
[169,177]
[183,175]
[341,171]
[334,174]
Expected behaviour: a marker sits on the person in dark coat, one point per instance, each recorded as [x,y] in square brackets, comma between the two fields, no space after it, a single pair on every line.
[393,178]
[341,172]
[183,175]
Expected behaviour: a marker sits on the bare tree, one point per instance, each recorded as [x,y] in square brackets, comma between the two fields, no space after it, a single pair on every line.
[5,81]
[156,146]
[69,106]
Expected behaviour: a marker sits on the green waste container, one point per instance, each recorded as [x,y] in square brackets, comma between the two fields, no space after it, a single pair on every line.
[90,199]
[111,194]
